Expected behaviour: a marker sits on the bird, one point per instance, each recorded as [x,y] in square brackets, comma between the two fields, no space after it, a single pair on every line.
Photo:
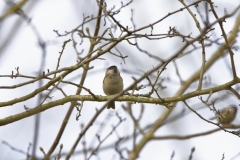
[112,84]
[227,115]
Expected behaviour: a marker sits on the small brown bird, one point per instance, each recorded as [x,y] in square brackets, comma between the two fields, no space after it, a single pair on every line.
[112,84]
[227,115]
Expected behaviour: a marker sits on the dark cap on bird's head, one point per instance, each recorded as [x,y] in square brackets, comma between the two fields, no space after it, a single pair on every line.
[112,68]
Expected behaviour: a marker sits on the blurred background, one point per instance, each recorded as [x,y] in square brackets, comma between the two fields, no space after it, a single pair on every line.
[30,43]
